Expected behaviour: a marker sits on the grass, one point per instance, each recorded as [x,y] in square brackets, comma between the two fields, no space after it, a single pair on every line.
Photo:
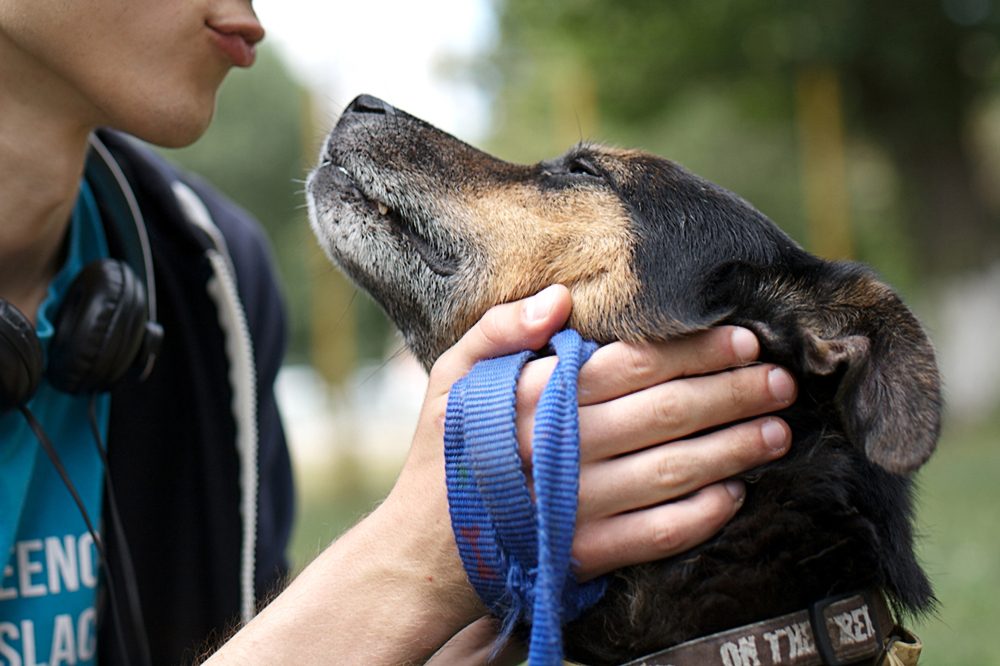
[958,520]
[960,548]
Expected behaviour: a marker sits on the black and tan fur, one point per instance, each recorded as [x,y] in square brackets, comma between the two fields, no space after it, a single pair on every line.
[438,231]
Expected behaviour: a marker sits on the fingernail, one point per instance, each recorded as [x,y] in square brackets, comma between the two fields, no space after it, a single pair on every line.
[540,305]
[781,385]
[736,489]
[775,437]
[744,344]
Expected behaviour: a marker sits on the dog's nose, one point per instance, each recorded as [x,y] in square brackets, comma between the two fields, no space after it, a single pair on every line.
[369,104]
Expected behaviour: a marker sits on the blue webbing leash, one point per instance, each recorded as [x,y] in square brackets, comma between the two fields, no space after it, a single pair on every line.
[516,553]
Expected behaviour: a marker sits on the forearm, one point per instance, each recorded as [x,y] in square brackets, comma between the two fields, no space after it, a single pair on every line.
[384,593]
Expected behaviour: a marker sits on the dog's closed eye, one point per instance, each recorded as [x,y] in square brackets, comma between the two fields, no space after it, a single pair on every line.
[582,166]
[572,169]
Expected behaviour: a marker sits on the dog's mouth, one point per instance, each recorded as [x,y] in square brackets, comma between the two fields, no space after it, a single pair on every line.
[411,225]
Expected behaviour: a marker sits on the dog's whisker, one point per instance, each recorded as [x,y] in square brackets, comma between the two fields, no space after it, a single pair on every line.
[382,366]
[347,308]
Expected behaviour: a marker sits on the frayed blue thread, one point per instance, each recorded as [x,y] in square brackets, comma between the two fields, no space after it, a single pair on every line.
[515,605]
[517,553]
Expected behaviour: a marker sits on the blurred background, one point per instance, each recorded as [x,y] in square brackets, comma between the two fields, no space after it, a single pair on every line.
[868,130]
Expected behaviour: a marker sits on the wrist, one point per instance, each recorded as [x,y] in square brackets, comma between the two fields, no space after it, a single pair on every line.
[417,549]
[390,590]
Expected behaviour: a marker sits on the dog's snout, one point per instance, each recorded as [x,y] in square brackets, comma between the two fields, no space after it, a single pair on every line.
[370,104]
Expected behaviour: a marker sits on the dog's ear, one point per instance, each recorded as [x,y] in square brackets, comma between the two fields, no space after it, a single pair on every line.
[858,333]
[889,396]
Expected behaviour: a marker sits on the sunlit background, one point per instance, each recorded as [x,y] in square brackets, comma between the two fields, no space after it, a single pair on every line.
[868,130]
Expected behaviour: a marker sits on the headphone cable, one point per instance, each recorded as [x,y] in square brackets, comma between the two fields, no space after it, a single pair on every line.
[50,451]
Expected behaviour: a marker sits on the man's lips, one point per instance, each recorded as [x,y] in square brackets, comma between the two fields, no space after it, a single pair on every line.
[237,41]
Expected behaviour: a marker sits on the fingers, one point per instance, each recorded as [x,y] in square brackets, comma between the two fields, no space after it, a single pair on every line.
[505,329]
[622,368]
[659,532]
[673,470]
[682,407]
[667,494]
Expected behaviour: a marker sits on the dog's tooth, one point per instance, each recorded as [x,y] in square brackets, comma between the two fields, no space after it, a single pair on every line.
[382,208]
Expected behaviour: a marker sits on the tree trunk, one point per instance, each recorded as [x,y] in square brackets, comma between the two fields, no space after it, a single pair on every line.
[954,228]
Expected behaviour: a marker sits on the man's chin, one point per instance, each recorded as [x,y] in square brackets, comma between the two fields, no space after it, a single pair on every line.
[173,127]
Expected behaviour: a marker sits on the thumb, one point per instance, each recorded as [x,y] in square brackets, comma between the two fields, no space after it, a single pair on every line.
[505,329]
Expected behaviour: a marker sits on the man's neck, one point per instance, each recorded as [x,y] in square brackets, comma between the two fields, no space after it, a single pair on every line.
[42,152]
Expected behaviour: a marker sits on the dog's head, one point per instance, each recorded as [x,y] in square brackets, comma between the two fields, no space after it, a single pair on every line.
[438,231]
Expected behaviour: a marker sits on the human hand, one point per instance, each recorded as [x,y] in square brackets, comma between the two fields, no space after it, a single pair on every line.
[651,485]
[652,482]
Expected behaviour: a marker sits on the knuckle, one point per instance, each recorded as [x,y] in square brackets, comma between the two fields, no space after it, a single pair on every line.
[717,506]
[639,363]
[740,386]
[490,327]
[748,440]
[670,472]
[438,419]
[526,397]
[666,537]
[748,386]
[666,410]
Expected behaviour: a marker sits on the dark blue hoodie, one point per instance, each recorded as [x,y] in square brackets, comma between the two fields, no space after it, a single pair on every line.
[197,454]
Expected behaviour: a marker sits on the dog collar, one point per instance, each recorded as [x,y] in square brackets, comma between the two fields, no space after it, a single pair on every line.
[835,631]
[516,552]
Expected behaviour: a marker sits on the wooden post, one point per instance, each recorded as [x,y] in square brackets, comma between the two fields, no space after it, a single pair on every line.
[824,171]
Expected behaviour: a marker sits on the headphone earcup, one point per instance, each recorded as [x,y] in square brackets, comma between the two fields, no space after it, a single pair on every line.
[20,357]
[99,328]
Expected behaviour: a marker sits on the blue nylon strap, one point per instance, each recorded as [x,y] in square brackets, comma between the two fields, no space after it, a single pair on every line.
[516,552]
[478,437]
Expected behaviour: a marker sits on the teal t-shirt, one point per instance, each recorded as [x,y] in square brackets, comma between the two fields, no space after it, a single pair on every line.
[49,579]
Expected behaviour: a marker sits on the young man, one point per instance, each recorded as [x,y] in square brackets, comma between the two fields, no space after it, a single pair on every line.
[196,454]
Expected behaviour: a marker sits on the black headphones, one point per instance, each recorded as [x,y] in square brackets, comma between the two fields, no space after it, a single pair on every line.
[103,331]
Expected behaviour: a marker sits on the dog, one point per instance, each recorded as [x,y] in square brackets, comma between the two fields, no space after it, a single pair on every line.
[438,231]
